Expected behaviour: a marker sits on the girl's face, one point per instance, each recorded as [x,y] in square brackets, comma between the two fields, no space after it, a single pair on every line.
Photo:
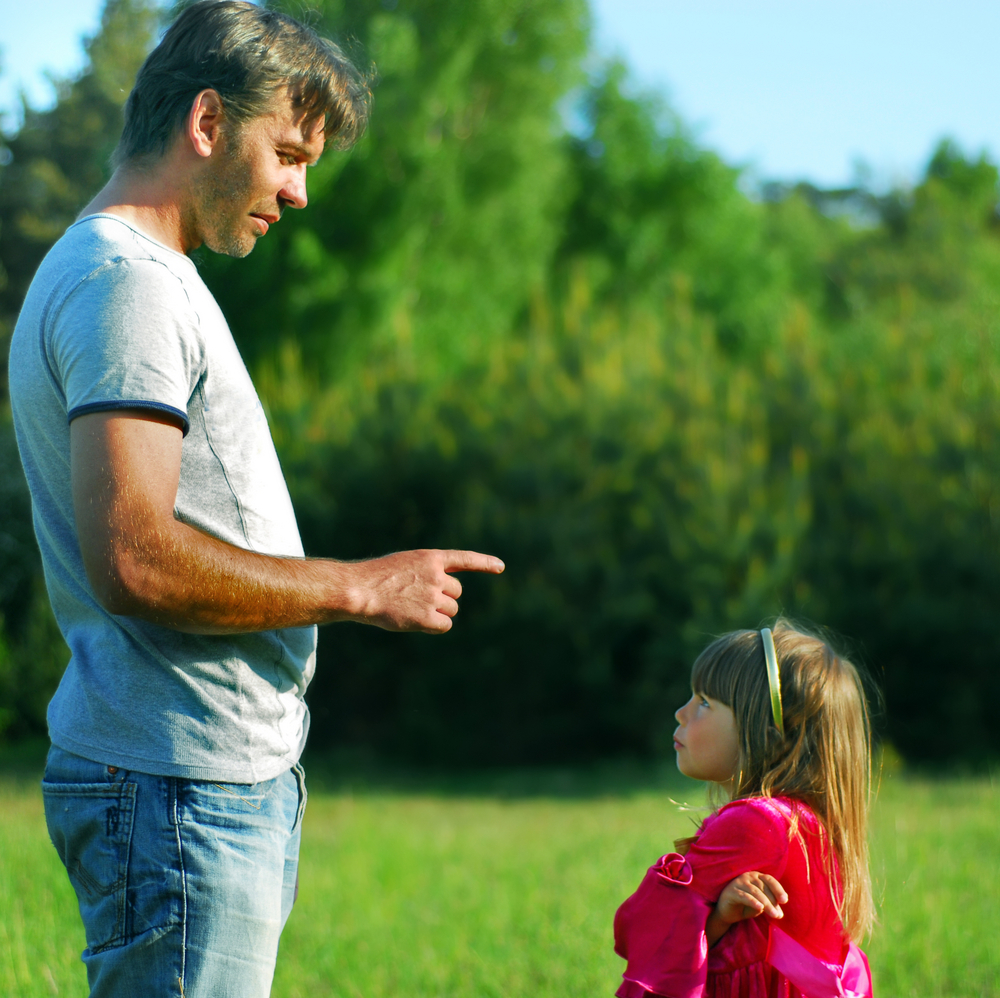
[705,740]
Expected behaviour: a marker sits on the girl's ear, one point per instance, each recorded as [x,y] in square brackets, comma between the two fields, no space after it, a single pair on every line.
[204,122]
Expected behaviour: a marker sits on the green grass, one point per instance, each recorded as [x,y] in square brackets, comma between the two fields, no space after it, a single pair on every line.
[450,890]
[936,866]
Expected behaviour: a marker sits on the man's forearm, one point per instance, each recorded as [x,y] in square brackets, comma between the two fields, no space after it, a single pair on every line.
[143,562]
[189,581]
[184,579]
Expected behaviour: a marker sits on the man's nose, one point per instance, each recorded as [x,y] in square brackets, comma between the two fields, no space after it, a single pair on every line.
[293,193]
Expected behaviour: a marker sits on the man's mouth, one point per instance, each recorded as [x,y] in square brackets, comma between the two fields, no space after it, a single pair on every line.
[264,221]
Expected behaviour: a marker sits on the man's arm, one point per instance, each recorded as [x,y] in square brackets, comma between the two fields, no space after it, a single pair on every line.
[142,562]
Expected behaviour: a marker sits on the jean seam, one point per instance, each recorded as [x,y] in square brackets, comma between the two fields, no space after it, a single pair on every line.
[300,781]
[175,817]
[131,791]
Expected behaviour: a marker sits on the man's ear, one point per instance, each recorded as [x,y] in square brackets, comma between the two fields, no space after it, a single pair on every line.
[204,122]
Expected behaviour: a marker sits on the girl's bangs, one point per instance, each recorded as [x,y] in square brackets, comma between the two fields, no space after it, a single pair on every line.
[716,670]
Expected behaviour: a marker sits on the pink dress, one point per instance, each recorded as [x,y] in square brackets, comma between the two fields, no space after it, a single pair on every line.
[660,930]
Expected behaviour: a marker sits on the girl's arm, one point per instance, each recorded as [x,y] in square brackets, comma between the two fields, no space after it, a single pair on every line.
[729,857]
[747,896]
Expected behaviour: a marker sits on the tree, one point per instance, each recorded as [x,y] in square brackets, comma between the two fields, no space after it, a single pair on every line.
[424,243]
[51,167]
[58,159]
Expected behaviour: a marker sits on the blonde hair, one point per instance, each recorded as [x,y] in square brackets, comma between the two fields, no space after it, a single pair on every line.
[824,757]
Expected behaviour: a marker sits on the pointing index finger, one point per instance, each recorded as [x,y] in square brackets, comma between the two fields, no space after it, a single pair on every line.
[471,561]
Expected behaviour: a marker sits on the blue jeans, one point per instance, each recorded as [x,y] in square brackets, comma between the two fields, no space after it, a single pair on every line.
[184,885]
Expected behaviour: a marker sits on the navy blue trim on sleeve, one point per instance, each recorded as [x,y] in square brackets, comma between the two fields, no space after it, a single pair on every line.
[112,404]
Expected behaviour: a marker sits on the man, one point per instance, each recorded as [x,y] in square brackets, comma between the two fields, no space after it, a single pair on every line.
[173,790]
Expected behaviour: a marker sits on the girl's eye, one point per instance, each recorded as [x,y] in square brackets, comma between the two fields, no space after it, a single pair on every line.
[704,702]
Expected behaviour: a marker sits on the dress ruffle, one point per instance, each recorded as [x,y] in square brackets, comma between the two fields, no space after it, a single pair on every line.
[660,931]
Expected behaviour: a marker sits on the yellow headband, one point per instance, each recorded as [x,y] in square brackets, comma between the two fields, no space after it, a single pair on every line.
[773,678]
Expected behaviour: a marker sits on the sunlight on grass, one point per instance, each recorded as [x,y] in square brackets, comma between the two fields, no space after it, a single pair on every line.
[936,864]
[466,897]
[428,894]
[40,932]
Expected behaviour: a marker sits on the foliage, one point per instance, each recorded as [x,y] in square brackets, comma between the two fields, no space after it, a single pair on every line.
[423,242]
[907,525]
[650,205]
[50,168]
[647,488]
[58,159]
[626,470]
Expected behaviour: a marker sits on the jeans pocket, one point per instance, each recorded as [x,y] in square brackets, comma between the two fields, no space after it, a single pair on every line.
[90,825]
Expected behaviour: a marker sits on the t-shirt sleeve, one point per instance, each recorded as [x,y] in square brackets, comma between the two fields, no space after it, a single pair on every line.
[128,338]
[745,835]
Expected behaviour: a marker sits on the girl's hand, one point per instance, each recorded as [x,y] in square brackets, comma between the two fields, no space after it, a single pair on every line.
[749,895]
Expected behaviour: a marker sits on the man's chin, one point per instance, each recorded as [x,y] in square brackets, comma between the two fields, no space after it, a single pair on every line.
[236,248]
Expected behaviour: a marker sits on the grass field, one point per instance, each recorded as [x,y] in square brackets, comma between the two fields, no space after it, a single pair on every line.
[507,889]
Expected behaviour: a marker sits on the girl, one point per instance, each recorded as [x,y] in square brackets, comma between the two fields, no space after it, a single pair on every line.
[779,723]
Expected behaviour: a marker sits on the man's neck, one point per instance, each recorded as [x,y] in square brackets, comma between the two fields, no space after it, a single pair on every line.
[148,200]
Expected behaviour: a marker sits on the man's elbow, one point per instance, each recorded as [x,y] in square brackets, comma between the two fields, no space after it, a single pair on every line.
[122,583]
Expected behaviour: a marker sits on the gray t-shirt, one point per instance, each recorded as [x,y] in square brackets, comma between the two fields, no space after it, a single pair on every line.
[115,320]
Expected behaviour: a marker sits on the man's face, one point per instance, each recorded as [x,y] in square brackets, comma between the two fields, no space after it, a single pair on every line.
[255,173]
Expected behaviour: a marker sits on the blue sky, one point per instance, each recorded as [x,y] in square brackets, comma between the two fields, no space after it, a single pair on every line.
[803,89]
[810,87]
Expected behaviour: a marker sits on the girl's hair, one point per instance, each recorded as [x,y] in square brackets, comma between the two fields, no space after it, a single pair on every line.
[824,757]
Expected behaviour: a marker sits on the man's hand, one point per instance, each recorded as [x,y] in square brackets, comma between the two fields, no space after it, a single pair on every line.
[143,562]
[414,590]
[749,895]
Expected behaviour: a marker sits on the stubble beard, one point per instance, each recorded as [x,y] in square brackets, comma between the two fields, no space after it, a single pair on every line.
[226,205]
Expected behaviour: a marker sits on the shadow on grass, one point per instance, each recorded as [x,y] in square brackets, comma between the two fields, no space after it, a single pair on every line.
[359,773]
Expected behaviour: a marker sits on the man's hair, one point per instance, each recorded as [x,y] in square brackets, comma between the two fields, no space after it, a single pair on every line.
[253,58]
